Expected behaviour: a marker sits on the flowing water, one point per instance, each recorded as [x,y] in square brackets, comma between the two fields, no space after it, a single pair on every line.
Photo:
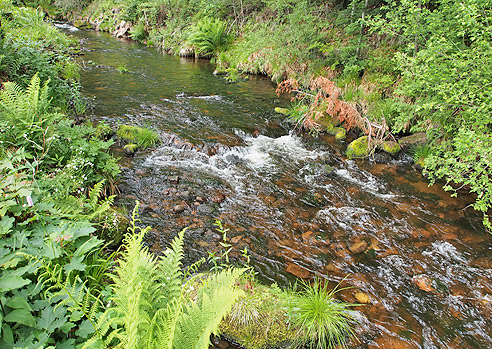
[298,205]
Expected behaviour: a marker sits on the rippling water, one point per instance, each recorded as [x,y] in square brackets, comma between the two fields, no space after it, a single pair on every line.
[300,207]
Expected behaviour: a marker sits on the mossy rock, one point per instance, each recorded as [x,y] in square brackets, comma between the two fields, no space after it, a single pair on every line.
[283,111]
[339,132]
[142,137]
[130,148]
[82,24]
[391,147]
[358,148]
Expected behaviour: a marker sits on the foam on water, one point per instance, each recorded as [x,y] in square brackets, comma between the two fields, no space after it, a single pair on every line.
[364,180]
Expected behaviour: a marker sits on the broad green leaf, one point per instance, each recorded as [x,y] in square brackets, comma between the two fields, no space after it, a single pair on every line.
[88,246]
[6,223]
[21,316]
[7,334]
[18,303]
[85,329]
[12,282]
[76,263]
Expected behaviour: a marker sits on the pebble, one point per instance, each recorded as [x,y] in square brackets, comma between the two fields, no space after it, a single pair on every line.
[358,247]
[179,208]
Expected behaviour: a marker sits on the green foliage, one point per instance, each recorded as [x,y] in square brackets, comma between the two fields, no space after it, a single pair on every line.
[31,227]
[143,137]
[445,79]
[324,322]
[29,46]
[154,307]
[209,37]
[138,32]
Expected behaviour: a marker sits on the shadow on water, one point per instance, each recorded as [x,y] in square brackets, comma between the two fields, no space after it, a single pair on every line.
[421,260]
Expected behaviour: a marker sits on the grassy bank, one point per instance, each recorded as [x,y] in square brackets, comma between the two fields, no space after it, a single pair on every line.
[385,70]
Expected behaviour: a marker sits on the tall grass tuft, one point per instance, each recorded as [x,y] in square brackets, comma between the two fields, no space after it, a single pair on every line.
[323,321]
[142,137]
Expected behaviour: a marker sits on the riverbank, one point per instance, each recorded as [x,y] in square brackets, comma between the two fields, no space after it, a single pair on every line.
[360,63]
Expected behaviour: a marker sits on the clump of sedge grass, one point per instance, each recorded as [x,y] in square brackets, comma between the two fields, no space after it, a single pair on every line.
[323,321]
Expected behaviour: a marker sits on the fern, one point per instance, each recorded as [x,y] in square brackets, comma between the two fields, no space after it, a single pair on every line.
[72,291]
[150,306]
[215,298]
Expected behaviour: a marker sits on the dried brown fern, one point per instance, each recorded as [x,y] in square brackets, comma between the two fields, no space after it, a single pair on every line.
[326,96]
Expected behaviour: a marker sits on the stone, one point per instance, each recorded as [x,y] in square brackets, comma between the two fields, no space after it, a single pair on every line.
[174,179]
[358,148]
[186,195]
[362,298]
[307,237]
[423,282]
[179,208]
[236,239]
[130,149]
[340,133]
[205,210]
[298,271]
[419,138]
[200,199]
[283,111]
[391,147]
[186,52]
[358,247]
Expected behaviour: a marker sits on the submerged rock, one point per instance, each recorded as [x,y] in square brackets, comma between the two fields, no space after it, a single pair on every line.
[362,297]
[179,208]
[358,148]
[423,282]
[358,247]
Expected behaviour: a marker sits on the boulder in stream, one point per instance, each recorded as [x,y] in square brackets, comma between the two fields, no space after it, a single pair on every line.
[391,147]
[282,111]
[358,148]
[130,149]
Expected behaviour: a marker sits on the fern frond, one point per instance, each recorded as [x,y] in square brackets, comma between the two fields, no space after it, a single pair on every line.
[215,298]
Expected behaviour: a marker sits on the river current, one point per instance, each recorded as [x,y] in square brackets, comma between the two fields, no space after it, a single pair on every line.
[420,260]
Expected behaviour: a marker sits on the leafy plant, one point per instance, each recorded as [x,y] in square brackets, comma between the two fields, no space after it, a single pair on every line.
[153,307]
[209,37]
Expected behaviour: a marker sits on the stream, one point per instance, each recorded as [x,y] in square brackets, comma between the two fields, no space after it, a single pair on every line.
[421,260]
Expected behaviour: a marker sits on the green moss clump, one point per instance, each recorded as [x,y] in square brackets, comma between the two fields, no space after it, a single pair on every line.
[341,133]
[130,148]
[259,319]
[358,148]
[391,147]
[142,137]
